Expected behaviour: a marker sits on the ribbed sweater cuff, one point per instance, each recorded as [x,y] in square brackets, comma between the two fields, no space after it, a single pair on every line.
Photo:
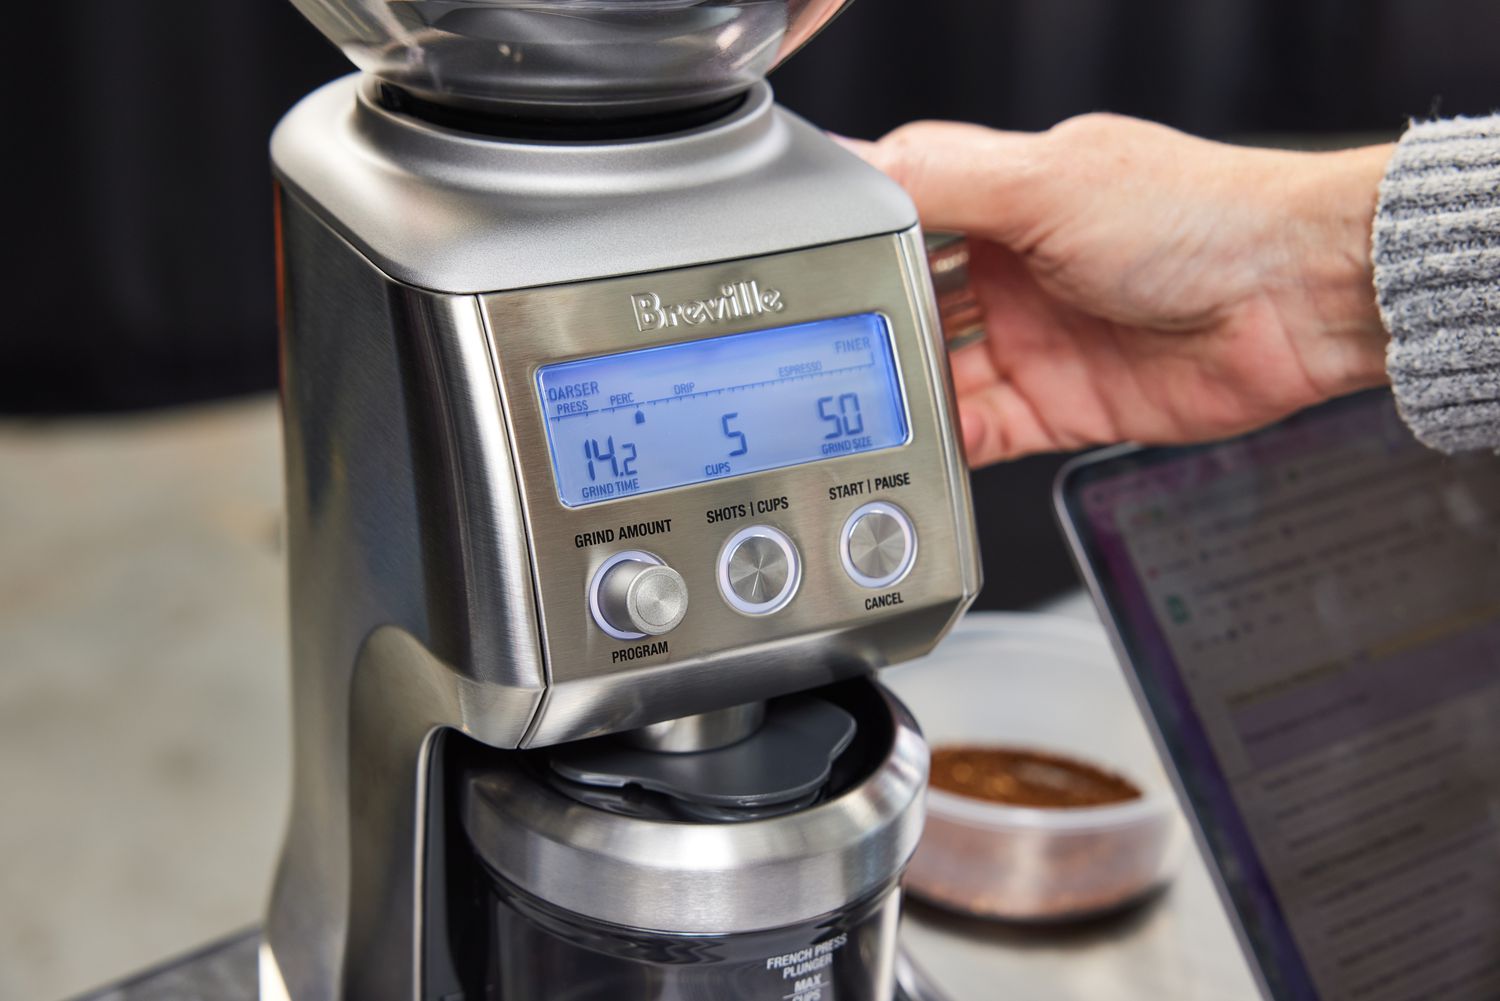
[1437,278]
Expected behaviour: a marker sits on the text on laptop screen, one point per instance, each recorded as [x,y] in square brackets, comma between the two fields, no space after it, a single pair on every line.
[1313,613]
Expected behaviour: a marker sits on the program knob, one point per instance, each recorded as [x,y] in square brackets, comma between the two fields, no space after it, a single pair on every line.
[635,595]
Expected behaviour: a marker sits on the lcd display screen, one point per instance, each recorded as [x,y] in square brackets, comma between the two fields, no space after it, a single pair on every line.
[626,424]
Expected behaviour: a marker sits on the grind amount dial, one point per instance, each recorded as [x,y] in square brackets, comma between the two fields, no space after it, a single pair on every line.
[635,594]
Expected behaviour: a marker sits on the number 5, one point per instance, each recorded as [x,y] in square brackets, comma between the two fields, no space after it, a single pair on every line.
[732,434]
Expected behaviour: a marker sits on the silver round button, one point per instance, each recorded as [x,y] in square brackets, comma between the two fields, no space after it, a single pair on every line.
[759,570]
[636,594]
[878,544]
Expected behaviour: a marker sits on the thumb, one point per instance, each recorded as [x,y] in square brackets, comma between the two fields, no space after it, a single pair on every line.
[962,177]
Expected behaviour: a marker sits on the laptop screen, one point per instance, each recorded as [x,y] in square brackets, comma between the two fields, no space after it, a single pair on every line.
[1312,613]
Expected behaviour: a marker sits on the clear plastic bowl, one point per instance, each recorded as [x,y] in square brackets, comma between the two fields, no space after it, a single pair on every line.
[570,58]
[1048,684]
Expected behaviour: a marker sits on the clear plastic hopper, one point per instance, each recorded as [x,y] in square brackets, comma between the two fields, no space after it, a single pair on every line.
[569,59]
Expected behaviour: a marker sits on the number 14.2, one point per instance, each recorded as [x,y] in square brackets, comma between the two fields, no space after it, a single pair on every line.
[623,465]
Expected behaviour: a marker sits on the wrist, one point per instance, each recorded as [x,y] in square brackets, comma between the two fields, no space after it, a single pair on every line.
[1330,218]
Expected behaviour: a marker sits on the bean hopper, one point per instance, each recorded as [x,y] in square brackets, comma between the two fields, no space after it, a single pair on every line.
[620,455]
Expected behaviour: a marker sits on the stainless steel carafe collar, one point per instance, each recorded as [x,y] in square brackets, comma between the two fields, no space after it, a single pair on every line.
[704,878]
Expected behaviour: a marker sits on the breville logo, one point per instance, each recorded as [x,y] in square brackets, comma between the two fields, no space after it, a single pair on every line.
[734,302]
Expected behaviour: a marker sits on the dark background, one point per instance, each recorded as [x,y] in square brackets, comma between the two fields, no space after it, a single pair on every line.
[141,239]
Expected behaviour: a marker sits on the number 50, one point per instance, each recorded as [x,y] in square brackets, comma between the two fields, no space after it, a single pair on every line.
[843,413]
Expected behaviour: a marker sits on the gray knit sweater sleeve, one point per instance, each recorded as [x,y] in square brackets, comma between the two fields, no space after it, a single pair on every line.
[1437,277]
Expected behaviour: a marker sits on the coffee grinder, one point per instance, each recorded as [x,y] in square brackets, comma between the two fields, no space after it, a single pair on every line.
[620,454]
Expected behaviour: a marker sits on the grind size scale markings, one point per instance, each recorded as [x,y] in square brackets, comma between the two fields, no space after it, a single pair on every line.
[632,423]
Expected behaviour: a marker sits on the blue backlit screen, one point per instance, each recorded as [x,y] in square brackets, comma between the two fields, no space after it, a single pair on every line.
[626,424]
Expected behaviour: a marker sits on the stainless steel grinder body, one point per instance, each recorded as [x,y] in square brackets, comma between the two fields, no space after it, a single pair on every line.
[439,586]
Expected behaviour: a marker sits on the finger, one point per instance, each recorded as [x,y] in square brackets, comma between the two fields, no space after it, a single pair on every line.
[962,177]
[1032,385]
[972,426]
[998,425]
[973,368]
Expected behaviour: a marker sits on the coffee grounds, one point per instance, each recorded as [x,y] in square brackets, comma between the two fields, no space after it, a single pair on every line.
[1026,778]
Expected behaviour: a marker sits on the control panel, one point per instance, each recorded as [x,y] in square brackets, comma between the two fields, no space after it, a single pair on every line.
[636,594]
[736,478]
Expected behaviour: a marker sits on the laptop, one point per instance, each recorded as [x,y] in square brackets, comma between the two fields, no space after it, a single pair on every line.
[1311,616]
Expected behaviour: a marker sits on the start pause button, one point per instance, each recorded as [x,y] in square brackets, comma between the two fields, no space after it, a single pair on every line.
[878,544]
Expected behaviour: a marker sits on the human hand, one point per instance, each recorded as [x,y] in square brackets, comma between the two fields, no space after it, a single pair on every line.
[1141,284]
